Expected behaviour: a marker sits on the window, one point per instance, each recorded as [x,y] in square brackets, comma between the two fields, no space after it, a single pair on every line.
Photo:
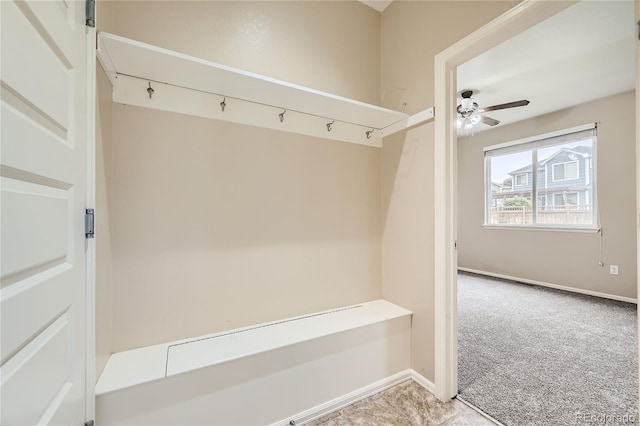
[522,179]
[565,171]
[565,199]
[546,181]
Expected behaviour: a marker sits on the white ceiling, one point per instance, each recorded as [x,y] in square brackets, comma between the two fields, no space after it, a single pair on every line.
[583,53]
[379,5]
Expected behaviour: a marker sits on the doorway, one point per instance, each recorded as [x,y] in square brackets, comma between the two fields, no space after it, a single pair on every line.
[519,19]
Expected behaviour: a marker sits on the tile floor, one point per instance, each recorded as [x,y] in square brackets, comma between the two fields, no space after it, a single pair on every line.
[406,404]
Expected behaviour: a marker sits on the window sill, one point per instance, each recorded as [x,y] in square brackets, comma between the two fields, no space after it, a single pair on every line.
[586,229]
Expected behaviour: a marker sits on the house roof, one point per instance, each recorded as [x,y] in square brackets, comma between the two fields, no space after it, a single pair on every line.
[583,151]
[521,170]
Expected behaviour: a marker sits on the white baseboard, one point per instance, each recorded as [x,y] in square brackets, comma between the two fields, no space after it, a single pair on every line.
[357,395]
[347,399]
[423,381]
[556,286]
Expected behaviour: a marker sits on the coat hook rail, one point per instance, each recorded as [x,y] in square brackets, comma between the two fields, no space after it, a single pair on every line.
[223,104]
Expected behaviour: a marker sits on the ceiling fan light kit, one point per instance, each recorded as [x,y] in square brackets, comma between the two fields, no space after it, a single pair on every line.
[470,114]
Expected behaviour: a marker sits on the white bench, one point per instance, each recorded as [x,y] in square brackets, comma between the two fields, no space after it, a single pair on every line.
[293,369]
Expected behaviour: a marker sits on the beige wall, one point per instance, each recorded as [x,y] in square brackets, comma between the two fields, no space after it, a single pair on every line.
[563,258]
[327,45]
[217,225]
[104,282]
[104,279]
[411,34]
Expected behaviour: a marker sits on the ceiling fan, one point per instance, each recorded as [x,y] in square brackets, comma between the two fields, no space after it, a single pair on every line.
[471,114]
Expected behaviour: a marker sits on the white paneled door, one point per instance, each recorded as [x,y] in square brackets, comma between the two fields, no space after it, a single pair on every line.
[43,307]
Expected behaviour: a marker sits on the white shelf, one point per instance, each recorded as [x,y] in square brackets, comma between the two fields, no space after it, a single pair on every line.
[194,86]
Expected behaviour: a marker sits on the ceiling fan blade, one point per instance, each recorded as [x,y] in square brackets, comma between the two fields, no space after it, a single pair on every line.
[523,102]
[489,121]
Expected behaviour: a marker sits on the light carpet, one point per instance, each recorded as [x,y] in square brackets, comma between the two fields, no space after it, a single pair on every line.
[530,355]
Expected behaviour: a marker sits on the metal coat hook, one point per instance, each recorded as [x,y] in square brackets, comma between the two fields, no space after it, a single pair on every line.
[150,90]
[329,125]
[281,115]
[223,104]
[369,133]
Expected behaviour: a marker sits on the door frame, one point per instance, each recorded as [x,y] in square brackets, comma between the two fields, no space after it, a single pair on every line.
[518,19]
[90,243]
[637,19]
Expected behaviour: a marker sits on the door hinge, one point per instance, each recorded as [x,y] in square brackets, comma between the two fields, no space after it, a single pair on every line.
[455,245]
[90,13]
[88,423]
[89,221]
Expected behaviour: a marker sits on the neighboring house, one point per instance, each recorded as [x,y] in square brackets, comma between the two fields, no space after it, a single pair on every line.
[497,188]
[564,179]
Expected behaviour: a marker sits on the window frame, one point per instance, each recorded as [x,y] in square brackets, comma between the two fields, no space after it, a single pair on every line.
[533,144]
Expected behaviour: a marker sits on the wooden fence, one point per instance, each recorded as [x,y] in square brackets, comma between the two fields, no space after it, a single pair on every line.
[547,215]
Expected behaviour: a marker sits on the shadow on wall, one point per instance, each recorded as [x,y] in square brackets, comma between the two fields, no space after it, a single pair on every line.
[407,235]
[394,148]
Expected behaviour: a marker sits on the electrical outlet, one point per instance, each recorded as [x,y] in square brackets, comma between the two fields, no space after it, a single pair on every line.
[613,269]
